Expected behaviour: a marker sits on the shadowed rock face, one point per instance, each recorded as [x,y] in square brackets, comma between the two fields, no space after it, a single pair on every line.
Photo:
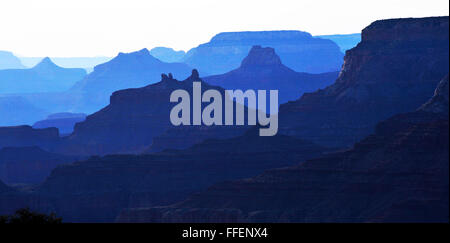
[394,69]
[262,69]
[399,174]
[298,50]
[99,188]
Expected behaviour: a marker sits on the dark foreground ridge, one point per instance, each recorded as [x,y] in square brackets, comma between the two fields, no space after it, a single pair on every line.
[399,174]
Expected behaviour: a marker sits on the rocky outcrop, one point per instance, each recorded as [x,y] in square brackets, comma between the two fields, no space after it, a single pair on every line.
[399,174]
[394,69]
[262,69]
[298,50]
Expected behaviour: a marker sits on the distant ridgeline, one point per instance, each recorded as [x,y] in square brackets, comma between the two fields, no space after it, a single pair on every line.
[167,54]
[44,77]
[297,50]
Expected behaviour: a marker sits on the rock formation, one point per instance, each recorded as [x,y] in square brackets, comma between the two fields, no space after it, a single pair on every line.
[298,51]
[262,69]
[394,69]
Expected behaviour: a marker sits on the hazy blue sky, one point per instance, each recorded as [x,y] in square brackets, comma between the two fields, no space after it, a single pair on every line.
[105,27]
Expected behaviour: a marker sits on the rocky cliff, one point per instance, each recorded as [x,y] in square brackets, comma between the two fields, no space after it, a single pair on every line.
[394,69]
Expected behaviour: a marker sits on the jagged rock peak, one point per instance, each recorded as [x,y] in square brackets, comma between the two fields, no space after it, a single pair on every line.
[45,63]
[195,76]
[259,56]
